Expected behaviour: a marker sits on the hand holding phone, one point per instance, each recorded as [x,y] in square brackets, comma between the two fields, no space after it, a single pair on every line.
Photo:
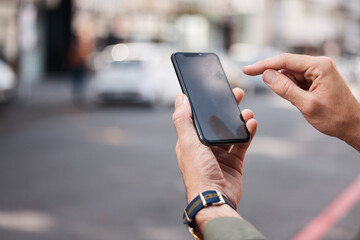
[205,167]
[216,114]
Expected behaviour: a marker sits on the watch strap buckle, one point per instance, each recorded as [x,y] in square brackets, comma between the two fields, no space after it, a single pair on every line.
[221,201]
[195,235]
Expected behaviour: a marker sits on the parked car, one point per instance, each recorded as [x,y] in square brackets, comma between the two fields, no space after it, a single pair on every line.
[7,83]
[123,82]
[134,73]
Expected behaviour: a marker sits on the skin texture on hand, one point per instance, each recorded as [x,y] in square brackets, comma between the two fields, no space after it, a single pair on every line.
[209,168]
[316,88]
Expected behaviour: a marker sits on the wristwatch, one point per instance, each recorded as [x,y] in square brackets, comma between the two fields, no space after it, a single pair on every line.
[203,200]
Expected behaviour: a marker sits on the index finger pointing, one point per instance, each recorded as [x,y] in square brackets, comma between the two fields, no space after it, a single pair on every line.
[293,62]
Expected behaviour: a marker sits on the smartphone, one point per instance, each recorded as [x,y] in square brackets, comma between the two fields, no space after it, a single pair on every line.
[216,114]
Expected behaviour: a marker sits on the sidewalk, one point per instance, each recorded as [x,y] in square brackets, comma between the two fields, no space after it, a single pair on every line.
[52,90]
[49,98]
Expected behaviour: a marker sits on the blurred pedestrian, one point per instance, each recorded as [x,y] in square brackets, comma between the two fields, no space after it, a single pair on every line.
[313,85]
[78,57]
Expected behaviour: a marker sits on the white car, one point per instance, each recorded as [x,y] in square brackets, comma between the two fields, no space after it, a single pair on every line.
[7,83]
[134,73]
[123,82]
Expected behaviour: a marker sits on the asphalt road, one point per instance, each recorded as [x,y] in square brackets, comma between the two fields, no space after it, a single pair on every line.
[110,173]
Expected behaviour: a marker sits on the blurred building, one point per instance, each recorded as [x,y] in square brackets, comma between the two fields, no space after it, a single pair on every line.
[305,26]
[8,34]
[288,24]
[190,25]
[38,33]
[35,36]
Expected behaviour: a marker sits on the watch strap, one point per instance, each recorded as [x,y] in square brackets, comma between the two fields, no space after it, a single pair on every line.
[204,199]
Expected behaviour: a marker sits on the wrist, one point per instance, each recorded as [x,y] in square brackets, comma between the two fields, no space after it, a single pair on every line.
[352,133]
[212,212]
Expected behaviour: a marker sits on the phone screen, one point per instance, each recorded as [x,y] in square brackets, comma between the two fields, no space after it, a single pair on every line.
[215,111]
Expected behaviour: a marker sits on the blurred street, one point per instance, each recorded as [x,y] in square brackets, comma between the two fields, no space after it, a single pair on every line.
[86,173]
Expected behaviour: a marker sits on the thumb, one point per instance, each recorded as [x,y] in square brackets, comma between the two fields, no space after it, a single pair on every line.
[284,87]
[182,119]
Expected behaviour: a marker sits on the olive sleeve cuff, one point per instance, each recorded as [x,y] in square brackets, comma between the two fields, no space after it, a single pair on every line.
[231,228]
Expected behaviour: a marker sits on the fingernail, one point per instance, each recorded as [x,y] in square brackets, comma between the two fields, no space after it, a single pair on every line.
[269,76]
[178,100]
[246,67]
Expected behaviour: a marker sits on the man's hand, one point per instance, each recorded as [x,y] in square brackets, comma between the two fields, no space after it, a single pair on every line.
[209,168]
[316,88]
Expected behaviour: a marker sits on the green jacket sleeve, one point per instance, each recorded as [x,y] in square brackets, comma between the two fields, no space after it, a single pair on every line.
[357,237]
[231,228]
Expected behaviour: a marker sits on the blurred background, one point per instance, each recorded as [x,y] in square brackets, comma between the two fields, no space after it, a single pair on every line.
[86,98]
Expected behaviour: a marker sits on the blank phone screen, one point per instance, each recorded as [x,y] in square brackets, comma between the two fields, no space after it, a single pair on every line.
[213,103]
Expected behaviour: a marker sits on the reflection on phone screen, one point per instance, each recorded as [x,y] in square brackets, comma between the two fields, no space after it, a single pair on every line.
[213,103]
